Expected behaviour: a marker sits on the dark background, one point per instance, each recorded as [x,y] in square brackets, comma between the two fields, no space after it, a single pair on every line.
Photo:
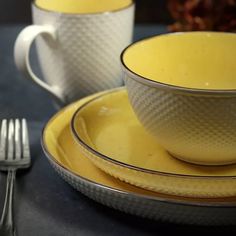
[147,11]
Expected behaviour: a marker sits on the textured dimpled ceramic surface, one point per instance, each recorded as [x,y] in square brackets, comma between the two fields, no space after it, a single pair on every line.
[195,128]
[78,171]
[85,57]
[188,104]
[110,135]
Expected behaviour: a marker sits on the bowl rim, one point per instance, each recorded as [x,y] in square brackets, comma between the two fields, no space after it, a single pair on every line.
[80,141]
[169,87]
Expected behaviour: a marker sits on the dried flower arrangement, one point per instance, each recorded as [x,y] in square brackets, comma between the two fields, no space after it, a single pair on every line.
[194,15]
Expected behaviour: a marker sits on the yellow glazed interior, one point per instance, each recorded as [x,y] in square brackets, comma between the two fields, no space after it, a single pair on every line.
[61,147]
[200,60]
[83,6]
[110,127]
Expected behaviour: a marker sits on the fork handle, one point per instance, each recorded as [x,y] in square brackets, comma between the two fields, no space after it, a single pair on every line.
[6,225]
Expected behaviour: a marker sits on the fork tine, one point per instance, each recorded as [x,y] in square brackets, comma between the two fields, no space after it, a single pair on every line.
[17,140]
[10,140]
[25,140]
[3,139]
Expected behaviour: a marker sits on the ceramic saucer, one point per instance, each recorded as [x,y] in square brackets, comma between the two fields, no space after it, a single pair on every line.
[109,134]
[64,155]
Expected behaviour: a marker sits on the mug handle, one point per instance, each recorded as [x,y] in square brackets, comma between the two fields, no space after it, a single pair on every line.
[21,55]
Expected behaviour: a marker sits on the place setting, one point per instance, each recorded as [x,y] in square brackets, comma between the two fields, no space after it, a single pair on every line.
[146,128]
[103,130]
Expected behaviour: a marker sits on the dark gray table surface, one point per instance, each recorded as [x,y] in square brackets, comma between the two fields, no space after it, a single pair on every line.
[44,203]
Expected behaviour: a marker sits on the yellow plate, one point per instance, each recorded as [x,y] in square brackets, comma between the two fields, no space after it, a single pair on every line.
[109,134]
[77,170]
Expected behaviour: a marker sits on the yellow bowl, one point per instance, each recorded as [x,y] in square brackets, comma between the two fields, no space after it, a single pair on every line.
[182,88]
[109,134]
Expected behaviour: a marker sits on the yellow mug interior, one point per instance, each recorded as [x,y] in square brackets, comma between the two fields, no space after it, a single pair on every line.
[83,6]
[199,60]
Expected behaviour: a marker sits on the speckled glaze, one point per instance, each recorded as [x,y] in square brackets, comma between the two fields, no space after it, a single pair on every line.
[79,53]
[195,125]
[108,190]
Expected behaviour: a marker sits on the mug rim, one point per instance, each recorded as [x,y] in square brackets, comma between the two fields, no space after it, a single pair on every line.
[170,87]
[132,3]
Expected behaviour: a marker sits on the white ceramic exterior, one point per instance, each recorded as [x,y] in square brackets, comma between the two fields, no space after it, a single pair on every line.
[160,209]
[194,125]
[78,53]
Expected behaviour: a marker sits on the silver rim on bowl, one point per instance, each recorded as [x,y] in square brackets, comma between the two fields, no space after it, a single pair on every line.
[178,89]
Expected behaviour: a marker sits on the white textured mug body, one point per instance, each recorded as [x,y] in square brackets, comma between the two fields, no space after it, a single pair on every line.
[78,53]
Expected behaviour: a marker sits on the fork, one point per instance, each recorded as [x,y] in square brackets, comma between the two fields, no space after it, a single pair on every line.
[14,155]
